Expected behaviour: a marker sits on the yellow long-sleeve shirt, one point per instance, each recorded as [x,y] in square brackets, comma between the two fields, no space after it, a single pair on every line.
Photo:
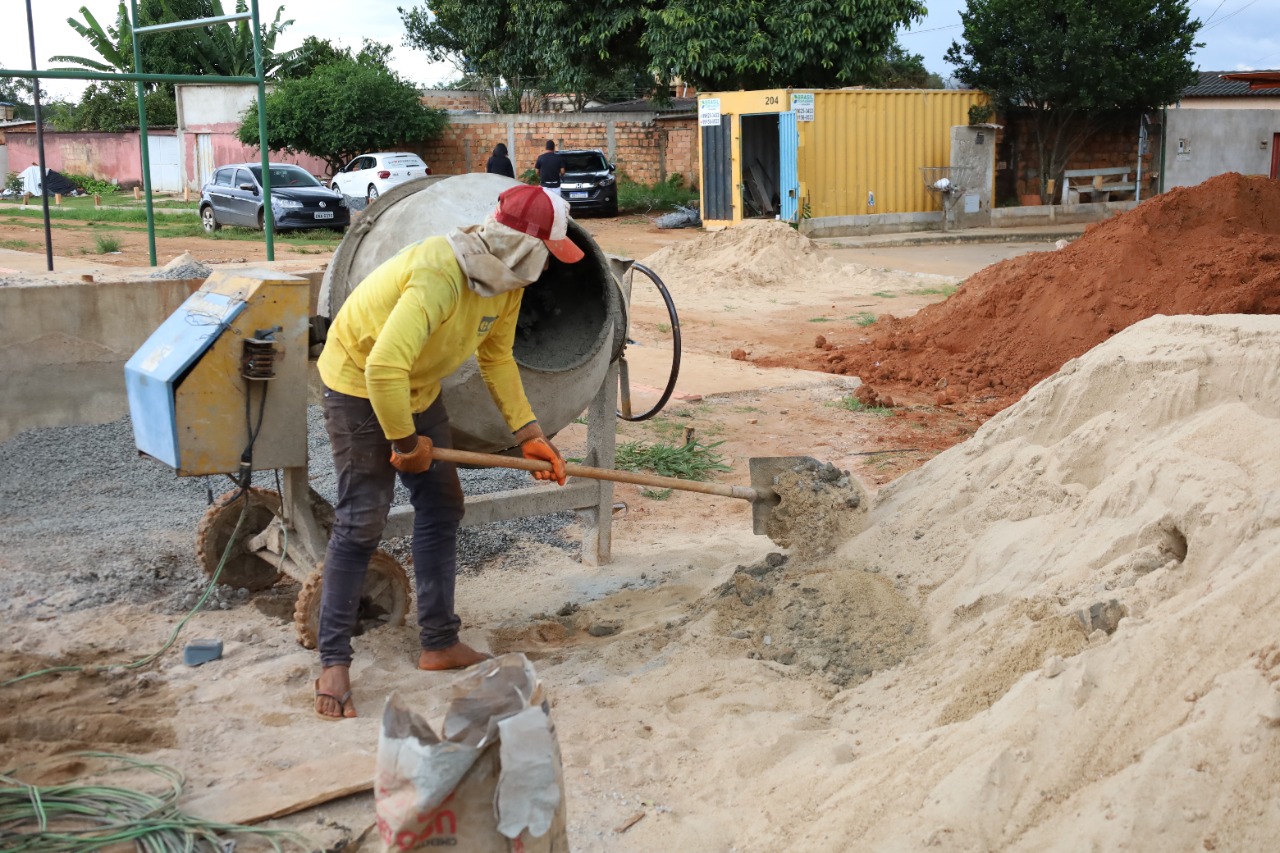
[412,322]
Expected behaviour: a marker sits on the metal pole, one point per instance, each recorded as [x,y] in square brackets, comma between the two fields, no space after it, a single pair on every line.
[76,74]
[268,218]
[192,24]
[142,138]
[1142,149]
[1164,136]
[35,94]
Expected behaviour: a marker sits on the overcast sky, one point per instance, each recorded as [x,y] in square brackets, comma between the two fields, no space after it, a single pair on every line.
[1238,34]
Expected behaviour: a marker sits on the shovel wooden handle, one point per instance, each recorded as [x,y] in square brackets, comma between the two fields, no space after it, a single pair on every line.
[491,460]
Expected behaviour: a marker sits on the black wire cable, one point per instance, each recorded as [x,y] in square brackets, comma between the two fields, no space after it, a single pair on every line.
[675,348]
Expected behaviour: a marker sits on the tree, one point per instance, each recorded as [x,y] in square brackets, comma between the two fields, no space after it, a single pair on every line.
[307,57]
[20,93]
[498,42]
[228,48]
[111,106]
[225,49]
[898,69]
[113,43]
[1074,63]
[559,45]
[757,44]
[343,108]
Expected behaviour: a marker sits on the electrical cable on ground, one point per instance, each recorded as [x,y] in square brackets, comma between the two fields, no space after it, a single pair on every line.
[115,815]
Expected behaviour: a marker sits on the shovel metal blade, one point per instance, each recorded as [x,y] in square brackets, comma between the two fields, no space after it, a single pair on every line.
[764,479]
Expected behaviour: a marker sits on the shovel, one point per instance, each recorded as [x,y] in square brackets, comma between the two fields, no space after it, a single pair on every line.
[761,494]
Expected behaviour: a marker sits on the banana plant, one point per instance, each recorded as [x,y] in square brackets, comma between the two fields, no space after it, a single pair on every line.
[114,44]
[228,48]
[225,49]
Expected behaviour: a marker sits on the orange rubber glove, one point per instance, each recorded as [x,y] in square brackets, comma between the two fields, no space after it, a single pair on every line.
[541,449]
[417,461]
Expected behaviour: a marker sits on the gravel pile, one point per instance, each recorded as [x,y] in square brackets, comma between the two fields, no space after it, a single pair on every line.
[193,270]
[84,521]
[357,202]
[185,266]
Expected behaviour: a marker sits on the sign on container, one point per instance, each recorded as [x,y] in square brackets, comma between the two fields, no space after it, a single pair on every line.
[709,112]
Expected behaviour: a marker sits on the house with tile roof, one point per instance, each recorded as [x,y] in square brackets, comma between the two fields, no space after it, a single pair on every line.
[1224,122]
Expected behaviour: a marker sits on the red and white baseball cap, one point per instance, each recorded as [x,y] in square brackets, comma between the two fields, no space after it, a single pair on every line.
[538,213]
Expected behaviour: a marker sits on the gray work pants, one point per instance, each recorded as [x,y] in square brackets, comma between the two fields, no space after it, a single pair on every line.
[366,485]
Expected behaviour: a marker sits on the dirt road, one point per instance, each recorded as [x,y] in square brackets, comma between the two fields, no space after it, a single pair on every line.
[228,723]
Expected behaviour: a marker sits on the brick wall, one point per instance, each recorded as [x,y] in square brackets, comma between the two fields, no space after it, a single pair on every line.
[1116,144]
[455,99]
[645,147]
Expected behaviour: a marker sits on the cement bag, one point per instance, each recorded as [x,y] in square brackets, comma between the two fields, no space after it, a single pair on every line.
[490,782]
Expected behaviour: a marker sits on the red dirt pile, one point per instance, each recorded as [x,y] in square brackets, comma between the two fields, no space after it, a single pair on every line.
[1208,249]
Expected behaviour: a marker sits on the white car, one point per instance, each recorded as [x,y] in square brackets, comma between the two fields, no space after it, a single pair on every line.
[370,175]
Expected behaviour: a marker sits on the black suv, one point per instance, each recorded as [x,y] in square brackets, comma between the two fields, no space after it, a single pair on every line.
[589,183]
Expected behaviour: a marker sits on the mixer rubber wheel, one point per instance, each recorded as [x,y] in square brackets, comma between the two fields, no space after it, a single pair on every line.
[384,598]
[243,570]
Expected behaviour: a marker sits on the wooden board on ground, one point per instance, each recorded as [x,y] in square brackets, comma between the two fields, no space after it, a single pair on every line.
[286,791]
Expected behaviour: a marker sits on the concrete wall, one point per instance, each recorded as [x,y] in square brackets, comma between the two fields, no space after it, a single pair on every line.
[106,156]
[1004,217]
[973,161]
[1246,103]
[645,146]
[64,346]
[215,111]
[204,105]
[1203,143]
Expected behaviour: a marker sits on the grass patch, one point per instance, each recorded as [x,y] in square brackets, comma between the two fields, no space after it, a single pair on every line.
[661,196]
[862,318]
[18,245]
[66,213]
[884,294]
[664,328]
[692,461]
[821,320]
[105,244]
[853,404]
[941,290]
[656,494]
[668,430]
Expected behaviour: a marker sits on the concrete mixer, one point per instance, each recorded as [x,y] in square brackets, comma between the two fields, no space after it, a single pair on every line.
[220,388]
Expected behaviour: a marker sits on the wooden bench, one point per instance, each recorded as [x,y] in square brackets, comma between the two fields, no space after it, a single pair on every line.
[1098,183]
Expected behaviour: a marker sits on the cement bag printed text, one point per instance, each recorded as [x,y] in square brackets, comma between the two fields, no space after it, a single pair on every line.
[490,782]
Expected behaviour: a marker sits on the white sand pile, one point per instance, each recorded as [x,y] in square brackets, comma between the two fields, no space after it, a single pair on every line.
[1097,577]
[765,254]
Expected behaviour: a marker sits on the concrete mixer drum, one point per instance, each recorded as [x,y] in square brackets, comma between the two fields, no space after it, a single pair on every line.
[572,321]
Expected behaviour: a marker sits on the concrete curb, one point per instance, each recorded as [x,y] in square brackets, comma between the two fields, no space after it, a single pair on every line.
[1003,235]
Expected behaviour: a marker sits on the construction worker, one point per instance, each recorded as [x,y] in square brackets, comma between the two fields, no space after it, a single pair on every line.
[412,322]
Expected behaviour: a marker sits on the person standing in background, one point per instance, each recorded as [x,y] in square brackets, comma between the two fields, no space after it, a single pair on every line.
[499,163]
[550,166]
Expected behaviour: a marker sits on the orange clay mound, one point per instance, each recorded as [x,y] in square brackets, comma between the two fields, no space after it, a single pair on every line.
[1208,249]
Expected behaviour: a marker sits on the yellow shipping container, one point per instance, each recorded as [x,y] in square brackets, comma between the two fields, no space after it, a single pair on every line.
[855,151]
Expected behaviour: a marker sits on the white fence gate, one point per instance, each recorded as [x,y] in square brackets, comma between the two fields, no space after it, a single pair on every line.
[204,158]
[163,151]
